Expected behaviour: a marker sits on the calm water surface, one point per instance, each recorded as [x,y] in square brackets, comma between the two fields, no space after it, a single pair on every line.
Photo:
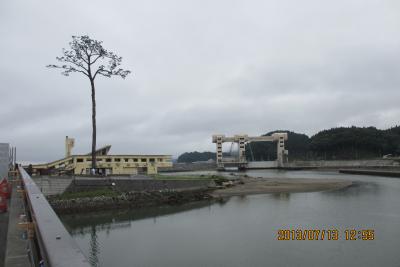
[243,231]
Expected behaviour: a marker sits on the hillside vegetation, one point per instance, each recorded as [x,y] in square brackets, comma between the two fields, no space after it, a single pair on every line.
[189,157]
[336,143]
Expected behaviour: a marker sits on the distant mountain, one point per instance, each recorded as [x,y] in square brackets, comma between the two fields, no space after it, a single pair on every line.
[336,143]
[355,143]
[189,157]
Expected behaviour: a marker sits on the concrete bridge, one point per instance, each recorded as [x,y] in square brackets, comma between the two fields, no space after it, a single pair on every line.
[240,160]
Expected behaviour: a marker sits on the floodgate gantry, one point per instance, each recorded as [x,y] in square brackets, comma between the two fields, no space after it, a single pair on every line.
[240,161]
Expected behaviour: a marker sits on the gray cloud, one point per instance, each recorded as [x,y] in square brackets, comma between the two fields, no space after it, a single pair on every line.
[199,68]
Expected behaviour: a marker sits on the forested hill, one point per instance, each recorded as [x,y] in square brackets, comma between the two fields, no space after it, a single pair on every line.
[336,143]
[189,157]
[355,143]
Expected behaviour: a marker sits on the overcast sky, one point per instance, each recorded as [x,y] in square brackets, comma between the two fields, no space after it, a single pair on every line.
[198,68]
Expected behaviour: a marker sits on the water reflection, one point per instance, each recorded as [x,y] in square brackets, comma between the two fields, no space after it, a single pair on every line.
[281,196]
[82,224]
[357,188]
[94,248]
[242,231]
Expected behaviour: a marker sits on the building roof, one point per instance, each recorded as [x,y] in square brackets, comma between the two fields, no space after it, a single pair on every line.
[101,151]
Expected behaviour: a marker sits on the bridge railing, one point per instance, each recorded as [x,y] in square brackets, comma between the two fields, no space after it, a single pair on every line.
[57,248]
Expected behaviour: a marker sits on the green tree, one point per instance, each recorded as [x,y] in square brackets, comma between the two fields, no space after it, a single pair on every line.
[88,57]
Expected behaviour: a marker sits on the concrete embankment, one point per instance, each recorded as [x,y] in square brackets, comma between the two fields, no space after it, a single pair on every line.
[52,185]
[293,165]
[128,185]
[372,172]
[338,164]
[184,167]
[128,193]
[128,200]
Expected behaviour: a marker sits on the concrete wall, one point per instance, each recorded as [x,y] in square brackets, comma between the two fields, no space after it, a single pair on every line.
[136,185]
[262,164]
[179,167]
[4,159]
[378,163]
[52,185]
[345,163]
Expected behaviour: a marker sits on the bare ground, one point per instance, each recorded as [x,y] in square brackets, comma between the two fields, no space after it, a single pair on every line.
[280,185]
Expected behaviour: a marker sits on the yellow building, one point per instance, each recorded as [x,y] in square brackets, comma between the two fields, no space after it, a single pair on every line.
[106,164]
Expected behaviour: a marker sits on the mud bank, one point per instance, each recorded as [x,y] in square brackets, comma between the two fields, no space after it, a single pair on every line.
[239,187]
[280,185]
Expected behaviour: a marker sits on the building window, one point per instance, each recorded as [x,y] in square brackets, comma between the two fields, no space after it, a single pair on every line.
[152,160]
[135,160]
[79,160]
[108,160]
[143,160]
[117,159]
[126,160]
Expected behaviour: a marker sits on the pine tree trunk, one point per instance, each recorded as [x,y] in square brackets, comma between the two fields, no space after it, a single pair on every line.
[93,125]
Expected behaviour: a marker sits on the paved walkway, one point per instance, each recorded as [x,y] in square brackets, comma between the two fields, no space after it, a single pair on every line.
[16,253]
[3,236]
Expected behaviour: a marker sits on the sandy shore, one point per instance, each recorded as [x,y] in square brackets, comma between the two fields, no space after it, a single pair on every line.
[280,185]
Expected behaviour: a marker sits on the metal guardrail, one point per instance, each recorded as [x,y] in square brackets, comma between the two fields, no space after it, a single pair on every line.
[56,245]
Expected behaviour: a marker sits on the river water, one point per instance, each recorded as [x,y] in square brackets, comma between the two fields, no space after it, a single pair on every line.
[243,230]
